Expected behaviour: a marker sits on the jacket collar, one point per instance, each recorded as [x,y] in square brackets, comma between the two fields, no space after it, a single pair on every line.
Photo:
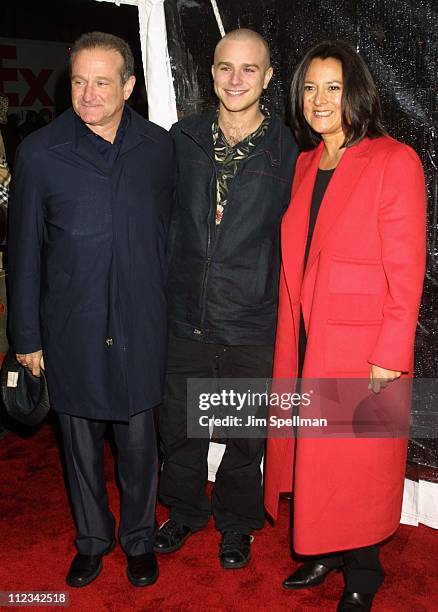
[338,192]
[65,141]
[198,127]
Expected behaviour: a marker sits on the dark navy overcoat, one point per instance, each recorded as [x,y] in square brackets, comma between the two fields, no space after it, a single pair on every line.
[87,265]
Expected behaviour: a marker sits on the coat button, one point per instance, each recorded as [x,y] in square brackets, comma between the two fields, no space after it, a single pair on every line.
[109,341]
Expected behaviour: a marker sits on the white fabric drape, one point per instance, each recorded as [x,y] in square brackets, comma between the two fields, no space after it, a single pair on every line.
[420,503]
[155,58]
[156,63]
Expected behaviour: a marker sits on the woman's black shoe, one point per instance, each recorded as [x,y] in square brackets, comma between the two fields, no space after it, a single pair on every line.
[308,575]
[355,601]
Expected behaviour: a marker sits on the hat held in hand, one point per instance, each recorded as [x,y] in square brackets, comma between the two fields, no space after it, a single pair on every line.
[24,395]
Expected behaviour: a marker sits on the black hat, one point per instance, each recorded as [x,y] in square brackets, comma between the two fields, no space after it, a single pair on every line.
[24,395]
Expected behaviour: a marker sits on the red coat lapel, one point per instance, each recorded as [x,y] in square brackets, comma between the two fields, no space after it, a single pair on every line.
[296,220]
[339,190]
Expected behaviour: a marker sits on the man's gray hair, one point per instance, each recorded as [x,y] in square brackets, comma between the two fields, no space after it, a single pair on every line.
[103,40]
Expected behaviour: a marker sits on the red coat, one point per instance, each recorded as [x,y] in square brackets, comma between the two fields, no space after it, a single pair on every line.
[360,297]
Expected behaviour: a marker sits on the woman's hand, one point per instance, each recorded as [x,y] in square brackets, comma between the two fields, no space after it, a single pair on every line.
[380,377]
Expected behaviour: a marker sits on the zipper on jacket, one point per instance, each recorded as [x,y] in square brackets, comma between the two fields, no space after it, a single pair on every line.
[212,221]
[212,213]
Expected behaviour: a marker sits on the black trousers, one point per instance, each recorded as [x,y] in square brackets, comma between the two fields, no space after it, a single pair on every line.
[137,468]
[237,500]
[361,567]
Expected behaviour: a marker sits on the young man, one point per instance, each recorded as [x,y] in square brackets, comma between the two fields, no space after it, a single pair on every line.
[235,171]
[89,215]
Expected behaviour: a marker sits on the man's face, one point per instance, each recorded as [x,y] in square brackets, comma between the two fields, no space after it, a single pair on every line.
[97,92]
[240,73]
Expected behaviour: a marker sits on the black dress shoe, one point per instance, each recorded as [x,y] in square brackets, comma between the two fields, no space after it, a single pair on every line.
[235,550]
[86,568]
[355,601]
[307,575]
[171,536]
[142,569]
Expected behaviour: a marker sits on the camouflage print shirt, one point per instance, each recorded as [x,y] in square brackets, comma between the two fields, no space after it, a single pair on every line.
[228,158]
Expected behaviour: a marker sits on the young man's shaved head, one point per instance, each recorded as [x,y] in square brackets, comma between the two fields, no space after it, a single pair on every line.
[241,71]
[243,34]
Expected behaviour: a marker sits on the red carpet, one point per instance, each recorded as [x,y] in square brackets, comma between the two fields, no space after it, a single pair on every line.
[36,542]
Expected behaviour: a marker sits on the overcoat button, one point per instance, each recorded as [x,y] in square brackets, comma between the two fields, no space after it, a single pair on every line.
[109,341]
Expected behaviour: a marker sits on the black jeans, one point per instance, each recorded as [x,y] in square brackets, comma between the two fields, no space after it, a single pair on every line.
[237,500]
[137,468]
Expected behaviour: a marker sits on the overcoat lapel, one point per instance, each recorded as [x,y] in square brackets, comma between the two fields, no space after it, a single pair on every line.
[138,130]
[337,195]
[84,151]
[65,143]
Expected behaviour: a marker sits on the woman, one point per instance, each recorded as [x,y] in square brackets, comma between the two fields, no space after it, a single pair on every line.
[353,257]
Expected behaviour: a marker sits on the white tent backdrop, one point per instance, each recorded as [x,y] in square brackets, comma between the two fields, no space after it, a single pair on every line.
[156,63]
[155,57]
[420,499]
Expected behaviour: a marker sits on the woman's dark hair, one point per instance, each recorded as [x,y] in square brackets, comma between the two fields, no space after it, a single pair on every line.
[361,110]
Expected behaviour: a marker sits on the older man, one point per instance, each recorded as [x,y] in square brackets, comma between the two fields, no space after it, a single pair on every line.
[91,201]
[235,170]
